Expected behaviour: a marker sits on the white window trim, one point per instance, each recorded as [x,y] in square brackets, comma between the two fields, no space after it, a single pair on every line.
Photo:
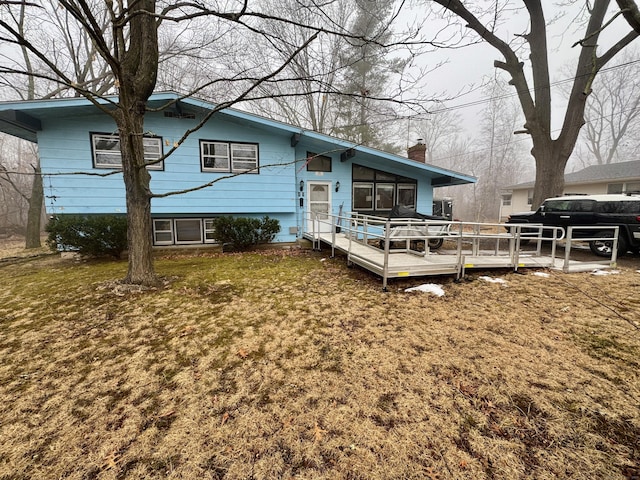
[253,169]
[208,230]
[186,242]
[157,141]
[203,156]
[368,185]
[231,160]
[155,231]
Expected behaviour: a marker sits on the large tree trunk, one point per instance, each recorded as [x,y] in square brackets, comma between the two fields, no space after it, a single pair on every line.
[138,194]
[34,215]
[550,165]
[550,155]
[137,78]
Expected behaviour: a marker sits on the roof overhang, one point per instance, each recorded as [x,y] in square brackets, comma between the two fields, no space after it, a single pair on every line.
[20,124]
[23,119]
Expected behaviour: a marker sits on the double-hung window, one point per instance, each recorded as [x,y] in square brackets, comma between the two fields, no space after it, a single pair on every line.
[228,157]
[107,153]
[214,156]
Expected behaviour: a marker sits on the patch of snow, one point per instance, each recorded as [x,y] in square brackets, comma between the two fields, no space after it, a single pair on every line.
[493,280]
[323,259]
[605,272]
[428,288]
[541,274]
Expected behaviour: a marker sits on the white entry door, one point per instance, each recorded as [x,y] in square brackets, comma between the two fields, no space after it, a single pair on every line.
[319,200]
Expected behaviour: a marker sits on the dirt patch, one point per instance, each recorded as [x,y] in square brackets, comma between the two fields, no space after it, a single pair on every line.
[287,364]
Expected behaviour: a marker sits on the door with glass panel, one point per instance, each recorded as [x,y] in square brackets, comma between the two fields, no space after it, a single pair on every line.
[319,207]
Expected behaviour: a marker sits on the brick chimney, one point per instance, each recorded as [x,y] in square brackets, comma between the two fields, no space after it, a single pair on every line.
[418,152]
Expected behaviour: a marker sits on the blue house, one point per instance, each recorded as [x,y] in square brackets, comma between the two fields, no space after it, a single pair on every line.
[290,171]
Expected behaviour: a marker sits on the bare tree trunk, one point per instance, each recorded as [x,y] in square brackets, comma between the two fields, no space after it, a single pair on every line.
[34,217]
[550,155]
[550,166]
[137,78]
[138,194]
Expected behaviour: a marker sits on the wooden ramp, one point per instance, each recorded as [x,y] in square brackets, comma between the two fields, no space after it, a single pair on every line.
[363,247]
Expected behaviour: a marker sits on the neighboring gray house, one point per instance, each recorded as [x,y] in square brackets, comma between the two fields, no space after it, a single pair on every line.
[622,177]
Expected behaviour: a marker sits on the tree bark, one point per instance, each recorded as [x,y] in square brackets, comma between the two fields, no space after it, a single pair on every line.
[34,215]
[137,78]
[631,13]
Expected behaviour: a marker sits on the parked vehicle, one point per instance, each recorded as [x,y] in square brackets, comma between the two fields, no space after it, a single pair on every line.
[443,207]
[421,229]
[591,210]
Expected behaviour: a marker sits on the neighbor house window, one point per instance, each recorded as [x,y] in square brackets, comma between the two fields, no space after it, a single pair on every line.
[614,188]
[506,200]
[632,187]
[318,163]
[228,157]
[162,232]
[529,197]
[107,153]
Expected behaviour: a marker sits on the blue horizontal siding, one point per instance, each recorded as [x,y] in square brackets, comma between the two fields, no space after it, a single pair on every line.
[65,147]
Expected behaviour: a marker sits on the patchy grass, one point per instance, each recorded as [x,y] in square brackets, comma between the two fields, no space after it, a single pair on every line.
[284,364]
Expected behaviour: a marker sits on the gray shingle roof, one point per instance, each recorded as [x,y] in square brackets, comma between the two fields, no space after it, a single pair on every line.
[598,173]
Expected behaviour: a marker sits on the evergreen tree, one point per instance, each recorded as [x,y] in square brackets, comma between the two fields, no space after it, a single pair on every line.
[366,76]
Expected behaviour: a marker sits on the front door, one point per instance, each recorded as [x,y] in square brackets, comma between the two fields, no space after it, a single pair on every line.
[319,195]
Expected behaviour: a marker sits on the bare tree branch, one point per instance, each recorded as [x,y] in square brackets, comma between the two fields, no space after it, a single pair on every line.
[631,13]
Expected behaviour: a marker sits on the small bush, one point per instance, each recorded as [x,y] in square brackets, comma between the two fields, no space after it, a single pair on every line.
[242,233]
[91,236]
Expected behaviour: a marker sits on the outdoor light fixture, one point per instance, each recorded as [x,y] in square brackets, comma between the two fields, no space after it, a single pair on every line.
[301,185]
[337,186]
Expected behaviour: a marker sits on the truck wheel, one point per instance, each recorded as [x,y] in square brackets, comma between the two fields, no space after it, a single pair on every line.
[435,243]
[602,248]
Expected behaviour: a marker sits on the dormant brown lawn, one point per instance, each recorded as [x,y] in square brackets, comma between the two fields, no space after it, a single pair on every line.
[287,364]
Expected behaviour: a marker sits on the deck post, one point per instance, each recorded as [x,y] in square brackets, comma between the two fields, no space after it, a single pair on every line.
[385,263]
[333,238]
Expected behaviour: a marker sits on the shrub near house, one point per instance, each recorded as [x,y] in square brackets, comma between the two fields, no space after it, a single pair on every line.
[91,236]
[106,235]
[243,233]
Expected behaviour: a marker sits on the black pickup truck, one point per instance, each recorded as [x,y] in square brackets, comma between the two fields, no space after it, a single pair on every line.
[591,210]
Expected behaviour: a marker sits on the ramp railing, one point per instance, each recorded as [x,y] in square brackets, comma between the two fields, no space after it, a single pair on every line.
[468,242]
